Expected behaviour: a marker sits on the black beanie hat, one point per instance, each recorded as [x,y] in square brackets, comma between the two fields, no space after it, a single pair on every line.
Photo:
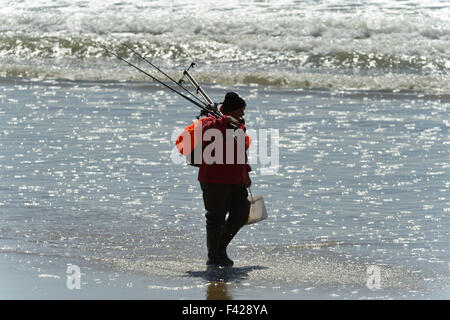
[232,102]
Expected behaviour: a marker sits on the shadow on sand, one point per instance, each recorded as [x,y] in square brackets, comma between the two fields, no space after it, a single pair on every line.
[219,278]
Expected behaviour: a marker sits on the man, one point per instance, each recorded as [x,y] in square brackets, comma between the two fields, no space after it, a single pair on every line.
[224,184]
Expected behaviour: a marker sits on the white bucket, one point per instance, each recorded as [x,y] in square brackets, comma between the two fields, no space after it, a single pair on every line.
[258,210]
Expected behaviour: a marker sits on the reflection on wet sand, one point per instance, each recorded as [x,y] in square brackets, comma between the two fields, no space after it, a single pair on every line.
[218,290]
[220,278]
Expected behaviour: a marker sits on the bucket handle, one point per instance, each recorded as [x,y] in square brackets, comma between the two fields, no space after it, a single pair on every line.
[251,195]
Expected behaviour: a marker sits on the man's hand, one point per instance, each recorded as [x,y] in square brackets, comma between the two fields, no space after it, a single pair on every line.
[233,120]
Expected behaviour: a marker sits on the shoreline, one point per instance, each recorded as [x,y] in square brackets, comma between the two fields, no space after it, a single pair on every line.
[376,93]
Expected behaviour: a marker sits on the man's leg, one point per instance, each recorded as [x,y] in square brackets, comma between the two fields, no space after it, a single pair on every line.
[238,217]
[215,199]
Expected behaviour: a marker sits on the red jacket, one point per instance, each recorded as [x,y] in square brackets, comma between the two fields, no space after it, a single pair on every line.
[227,173]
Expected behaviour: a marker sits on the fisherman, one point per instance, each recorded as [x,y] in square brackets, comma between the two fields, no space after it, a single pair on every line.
[224,186]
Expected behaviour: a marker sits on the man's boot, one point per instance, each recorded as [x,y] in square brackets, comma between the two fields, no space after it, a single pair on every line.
[227,235]
[225,261]
[231,228]
[212,244]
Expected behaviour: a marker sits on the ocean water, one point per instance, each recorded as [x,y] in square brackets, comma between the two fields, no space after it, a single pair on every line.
[359,94]
[328,44]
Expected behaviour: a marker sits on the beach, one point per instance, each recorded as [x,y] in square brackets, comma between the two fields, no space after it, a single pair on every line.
[96,202]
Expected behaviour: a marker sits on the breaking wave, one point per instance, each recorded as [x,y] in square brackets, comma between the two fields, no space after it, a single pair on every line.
[308,44]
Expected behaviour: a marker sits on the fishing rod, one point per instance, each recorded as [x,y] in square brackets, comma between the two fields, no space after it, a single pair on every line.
[196,85]
[205,108]
[169,77]
[211,105]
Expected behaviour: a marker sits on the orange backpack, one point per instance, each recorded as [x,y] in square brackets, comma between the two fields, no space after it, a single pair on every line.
[187,148]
